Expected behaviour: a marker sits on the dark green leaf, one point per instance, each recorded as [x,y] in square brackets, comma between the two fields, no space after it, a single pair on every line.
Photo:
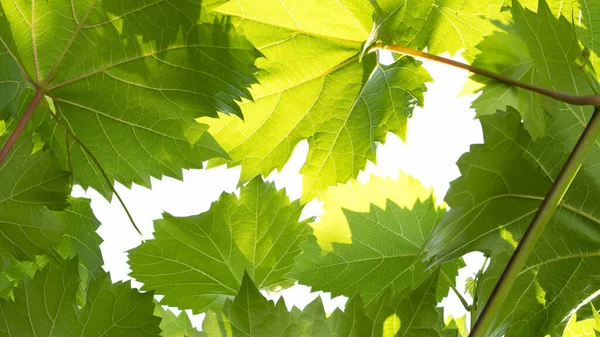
[410,314]
[45,306]
[31,186]
[128,79]
[503,183]
[538,49]
[175,326]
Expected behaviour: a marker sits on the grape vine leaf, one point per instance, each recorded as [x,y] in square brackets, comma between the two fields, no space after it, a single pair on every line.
[585,328]
[250,314]
[415,312]
[32,186]
[357,197]
[128,79]
[492,204]
[352,321]
[537,48]
[584,15]
[380,252]
[341,105]
[78,240]
[438,25]
[456,326]
[198,262]
[13,270]
[175,325]
[588,30]
[81,239]
[13,81]
[45,306]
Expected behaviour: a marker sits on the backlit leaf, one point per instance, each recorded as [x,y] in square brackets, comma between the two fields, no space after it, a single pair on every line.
[438,25]
[342,106]
[198,262]
[380,251]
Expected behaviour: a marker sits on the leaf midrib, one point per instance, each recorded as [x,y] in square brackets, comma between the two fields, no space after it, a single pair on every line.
[324,74]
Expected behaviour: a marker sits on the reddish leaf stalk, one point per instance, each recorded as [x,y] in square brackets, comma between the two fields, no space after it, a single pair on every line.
[12,139]
[593,100]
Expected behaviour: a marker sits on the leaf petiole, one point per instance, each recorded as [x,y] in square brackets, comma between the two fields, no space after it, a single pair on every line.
[97,162]
[593,100]
[458,294]
[21,124]
[473,311]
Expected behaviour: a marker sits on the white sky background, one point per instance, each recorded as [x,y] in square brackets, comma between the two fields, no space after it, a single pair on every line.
[437,136]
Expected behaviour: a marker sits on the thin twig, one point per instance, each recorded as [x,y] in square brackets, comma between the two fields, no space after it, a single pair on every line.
[589,78]
[458,294]
[593,100]
[97,163]
[473,311]
[68,147]
[21,124]
[537,226]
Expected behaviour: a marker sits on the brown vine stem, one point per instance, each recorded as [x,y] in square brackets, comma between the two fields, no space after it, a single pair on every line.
[537,226]
[593,100]
[21,124]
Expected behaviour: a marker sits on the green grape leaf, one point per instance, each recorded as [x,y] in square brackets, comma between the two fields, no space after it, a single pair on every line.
[45,306]
[539,49]
[588,29]
[78,240]
[456,326]
[410,314]
[175,326]
[357,197]
[81,239]
[438,25]
[352,321]
[448,275]
[344,107]
[198,262]
[13,81]
[585,15]
[470,286]
[12,271]
[585,328]
[381,249]
[128,79]
[32,186]
[250,314]
[493,203]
